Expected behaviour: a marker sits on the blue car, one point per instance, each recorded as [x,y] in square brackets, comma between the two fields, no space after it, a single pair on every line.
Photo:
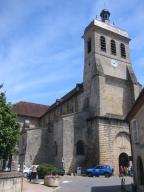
[101,169]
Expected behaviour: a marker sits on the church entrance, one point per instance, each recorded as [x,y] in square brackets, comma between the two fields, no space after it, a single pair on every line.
[121,152]
[123,163]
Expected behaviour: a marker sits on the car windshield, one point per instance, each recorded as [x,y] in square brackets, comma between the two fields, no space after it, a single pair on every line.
[102,167]
[98,167]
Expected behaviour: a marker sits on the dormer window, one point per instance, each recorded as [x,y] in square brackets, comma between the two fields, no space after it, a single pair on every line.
[113,47]
[103,43]
[89,45]
[122,49]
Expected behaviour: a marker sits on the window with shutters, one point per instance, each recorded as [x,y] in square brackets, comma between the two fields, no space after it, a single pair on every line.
[135,131]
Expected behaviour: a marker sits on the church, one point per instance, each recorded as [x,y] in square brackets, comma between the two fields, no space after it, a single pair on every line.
[86,126]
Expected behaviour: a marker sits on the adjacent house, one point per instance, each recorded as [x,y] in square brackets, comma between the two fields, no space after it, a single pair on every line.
[136,120]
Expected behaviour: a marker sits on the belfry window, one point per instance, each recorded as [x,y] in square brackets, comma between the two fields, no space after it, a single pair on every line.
[122,49]
[103,43]
[89,45]
[113,47]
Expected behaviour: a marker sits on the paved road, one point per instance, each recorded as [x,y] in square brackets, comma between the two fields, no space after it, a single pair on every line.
[30,187]
[88,184]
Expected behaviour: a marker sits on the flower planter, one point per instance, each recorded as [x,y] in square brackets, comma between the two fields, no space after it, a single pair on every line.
[51,181]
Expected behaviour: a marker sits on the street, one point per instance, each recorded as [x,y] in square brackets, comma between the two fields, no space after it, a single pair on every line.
[92,184]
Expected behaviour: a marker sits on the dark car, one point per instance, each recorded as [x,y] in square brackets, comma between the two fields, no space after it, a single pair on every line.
[101,169]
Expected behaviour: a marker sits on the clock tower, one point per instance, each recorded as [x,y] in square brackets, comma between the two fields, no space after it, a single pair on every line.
[110,89]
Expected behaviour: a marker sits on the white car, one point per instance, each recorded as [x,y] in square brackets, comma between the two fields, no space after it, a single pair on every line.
[27,170]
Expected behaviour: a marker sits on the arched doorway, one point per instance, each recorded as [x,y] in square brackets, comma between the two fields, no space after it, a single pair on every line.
[121,151]
[123,163]
[140,171]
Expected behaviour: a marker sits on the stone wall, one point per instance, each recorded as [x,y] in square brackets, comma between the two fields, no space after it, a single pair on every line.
[33,145]
[11,182]
[118,97]
[36,147]
[107,139]
[114,139]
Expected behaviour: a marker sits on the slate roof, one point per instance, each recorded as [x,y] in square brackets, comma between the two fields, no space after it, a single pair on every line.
[30,109]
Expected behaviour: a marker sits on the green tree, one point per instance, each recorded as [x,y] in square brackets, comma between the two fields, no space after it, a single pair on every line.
[9,129]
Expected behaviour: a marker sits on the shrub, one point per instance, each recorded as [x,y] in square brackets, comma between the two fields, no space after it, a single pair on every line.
[46,169]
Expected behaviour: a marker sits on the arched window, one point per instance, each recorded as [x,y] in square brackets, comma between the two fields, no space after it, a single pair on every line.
[103,43]
[140,171]
[55,148]
[80,148]
[113,47]
[122,49]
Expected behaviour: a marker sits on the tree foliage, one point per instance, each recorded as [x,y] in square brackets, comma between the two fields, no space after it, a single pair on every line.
[9,129]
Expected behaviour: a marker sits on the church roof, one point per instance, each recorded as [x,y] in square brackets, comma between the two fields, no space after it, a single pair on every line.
[38,110]
[137,106]
[76,90]
[30,109]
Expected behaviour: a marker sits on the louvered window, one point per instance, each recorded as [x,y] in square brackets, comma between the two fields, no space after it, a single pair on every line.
[113,47]
[103,43]
[122,49]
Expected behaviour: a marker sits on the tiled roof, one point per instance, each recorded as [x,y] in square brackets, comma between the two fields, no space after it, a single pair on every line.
[29,109]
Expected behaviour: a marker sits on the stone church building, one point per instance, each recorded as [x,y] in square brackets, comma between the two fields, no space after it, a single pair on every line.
[87,125]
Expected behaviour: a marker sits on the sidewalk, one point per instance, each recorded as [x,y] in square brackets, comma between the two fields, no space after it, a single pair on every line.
[30,187]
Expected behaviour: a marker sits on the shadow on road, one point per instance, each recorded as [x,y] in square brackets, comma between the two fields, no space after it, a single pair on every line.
[116,188]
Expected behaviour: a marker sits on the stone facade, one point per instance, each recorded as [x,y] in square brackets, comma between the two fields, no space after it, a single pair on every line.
[87,126]
[136,120]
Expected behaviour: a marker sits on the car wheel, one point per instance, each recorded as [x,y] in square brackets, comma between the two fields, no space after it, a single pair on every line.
[107,175]
[90,175]
[25,175]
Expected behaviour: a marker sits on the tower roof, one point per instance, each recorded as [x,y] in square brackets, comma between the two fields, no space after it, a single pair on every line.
[105,14]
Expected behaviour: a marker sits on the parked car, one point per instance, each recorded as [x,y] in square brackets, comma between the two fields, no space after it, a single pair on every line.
[27,170]
[101,169]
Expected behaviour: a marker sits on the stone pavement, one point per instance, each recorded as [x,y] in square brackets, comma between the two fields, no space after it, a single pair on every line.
[31,187]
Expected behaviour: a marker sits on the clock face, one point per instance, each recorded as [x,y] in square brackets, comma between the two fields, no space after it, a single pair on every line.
[114,63]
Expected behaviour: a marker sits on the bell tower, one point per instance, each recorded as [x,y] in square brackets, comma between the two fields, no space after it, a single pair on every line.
[110,89]
[109,81]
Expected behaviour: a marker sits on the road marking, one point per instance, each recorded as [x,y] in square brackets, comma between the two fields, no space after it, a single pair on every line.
[66,181]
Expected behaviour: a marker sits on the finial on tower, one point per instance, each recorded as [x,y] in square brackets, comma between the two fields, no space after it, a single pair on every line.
[105,14]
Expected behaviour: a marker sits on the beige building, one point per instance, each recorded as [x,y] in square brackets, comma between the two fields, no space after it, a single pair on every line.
[136,119]
[87,126]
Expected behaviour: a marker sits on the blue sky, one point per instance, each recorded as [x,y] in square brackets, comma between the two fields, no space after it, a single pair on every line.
[41,49]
